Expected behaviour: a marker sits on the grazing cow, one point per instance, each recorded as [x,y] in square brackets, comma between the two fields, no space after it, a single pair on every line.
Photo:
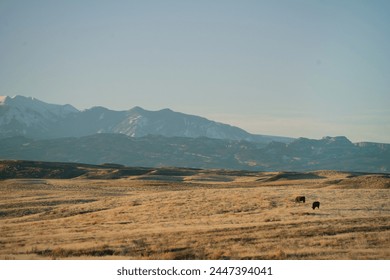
[316,204]
[300,198]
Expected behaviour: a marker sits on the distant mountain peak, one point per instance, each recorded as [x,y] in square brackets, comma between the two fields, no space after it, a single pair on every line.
[28,116]
[337,139]
[97,108]
[27,101]
[17,99]
[137,109]
[140,110]
[3,99]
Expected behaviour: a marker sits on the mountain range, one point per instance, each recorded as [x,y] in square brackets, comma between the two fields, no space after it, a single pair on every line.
[35,119]
[34,130]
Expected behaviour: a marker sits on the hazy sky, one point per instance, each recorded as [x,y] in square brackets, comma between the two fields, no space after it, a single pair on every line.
[292,68]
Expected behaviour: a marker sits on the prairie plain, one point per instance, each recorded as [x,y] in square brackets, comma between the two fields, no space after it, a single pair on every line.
[196,214]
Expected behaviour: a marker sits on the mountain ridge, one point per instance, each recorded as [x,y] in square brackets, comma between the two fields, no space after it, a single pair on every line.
[54,121]
[205,153]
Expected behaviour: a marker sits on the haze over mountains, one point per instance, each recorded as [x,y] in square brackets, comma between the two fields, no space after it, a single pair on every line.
[33,118]
[34,130]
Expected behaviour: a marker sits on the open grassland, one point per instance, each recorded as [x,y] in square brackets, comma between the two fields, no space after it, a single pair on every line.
[197,215]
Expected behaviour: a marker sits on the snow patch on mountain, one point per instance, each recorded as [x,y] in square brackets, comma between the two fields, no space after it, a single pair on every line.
[26,114]
[29,110]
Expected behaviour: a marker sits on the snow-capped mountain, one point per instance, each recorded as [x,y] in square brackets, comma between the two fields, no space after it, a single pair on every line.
[29,117]
[139,122]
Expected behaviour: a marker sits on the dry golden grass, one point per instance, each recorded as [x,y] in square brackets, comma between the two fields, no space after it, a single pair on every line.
[205,215]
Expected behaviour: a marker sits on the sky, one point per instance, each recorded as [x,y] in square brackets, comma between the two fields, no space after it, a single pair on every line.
[289,68]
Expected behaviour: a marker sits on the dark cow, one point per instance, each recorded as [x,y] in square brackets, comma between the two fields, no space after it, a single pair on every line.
[316,204]
[300,198]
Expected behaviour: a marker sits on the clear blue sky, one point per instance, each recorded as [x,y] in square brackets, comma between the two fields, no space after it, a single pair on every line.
[293,68]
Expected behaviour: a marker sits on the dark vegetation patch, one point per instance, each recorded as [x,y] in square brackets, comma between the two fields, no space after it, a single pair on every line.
[236,173]
[46,203]
[175,171]
[294,176]
[67,253]
[38,169]
[17,169]
[13,213]
[333,182]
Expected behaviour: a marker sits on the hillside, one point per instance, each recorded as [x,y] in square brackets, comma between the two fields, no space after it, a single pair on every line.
[333,153]
[19,169]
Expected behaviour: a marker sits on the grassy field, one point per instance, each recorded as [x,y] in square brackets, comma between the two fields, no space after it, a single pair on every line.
[197,215]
